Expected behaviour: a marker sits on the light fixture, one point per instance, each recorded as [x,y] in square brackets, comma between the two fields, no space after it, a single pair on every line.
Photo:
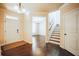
[21,9]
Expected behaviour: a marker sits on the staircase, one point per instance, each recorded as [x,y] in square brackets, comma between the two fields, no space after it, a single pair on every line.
[55,36]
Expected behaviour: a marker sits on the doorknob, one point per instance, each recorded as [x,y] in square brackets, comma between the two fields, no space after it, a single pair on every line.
[65,34]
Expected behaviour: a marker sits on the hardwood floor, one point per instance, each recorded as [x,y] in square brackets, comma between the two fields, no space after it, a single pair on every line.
[56,50]
[0,51]
[38,45]
[20,48]
[38,48]
[48,49]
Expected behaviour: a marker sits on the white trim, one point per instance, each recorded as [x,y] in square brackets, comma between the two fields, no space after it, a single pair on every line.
[11,17]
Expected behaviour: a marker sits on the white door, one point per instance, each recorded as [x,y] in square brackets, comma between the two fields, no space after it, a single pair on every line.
[11,31]
[70,33]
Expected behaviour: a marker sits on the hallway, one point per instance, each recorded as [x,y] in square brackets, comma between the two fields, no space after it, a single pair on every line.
[49,29]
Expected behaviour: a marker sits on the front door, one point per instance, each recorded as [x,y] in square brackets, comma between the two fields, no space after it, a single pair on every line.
[11,31]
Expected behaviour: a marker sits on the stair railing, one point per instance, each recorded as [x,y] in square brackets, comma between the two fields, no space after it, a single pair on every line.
[51,25]
[51,29]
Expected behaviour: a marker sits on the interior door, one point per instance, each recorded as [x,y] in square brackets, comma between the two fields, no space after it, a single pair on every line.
[70,33]
[11,31]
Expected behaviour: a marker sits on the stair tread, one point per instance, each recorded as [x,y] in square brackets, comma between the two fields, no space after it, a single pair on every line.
[55,33]
[55,36]
[55,39]
[54,42]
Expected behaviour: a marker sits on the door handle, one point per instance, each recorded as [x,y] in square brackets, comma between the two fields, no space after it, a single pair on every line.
[65,34]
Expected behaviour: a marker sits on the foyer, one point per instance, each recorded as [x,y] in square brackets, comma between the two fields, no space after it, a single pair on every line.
[39,29]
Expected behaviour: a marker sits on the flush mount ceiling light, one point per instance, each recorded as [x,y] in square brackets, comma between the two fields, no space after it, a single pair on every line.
[20,9]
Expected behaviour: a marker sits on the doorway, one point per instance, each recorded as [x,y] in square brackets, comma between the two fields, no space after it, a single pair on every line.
[11,28]
[38,34]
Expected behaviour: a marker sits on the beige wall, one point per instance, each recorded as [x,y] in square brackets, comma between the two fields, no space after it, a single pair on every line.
[46,28]
[64,9]
[21,26]
[3,13]
[2,17]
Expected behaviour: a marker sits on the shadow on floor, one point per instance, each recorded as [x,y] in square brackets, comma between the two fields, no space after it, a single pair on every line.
[56,50]
[48,49]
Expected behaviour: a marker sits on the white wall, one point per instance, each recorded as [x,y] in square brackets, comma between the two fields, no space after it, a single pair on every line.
[33,28]
[28,28]
[43,27]
[54,16]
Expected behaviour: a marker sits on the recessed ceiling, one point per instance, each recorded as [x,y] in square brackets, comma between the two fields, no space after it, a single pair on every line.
[33,7]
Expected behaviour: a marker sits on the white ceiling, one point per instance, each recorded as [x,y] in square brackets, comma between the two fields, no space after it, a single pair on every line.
[33,7]
[45,7]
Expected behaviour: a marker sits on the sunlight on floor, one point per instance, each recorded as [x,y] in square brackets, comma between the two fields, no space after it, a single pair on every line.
[35,47]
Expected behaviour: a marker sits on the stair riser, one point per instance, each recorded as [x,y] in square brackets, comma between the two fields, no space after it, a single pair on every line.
[54,42]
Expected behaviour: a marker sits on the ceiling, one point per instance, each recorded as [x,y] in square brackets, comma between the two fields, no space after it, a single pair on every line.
[45,7]
[33,7]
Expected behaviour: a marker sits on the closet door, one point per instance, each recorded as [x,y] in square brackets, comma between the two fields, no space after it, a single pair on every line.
[11,28]
[70,33]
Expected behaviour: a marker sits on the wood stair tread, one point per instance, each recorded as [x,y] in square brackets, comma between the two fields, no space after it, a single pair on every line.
[55,35]
[54,42]
[55,39]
